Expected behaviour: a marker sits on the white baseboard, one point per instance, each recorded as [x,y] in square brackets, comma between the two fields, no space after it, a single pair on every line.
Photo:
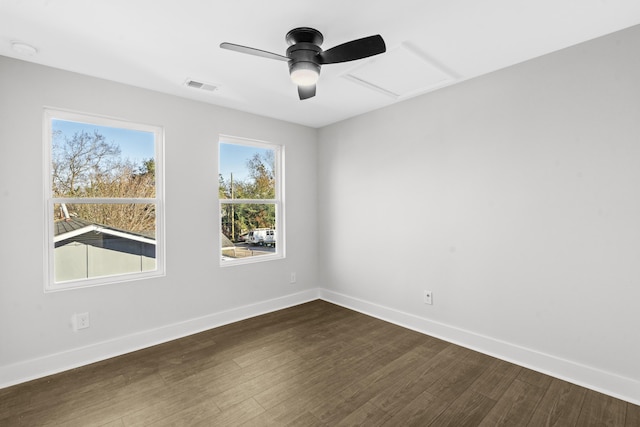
[54,363]
[601,381]
[605,382]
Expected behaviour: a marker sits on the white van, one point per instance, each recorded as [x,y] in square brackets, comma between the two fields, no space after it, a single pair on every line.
[270,239]
[262,236]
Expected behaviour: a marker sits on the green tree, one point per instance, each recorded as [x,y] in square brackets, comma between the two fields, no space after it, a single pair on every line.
[261,170]
[259,185]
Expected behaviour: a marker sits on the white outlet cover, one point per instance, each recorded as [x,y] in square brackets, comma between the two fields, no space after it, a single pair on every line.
[428,297]
[80,321]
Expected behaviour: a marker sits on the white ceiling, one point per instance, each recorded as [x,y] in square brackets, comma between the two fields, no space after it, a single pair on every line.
[159,44]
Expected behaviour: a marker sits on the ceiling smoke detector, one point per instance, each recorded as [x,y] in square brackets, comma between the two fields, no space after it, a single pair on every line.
[23,48]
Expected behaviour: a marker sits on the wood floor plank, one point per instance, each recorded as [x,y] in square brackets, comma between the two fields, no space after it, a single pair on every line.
[95,407]
[66,391]
[560,405]
[234,416]
[288,412]
[199,410]
[366,415]
[632,418]
[208,364]
[601,410]
[423,410]
[496,379]
[316,364]
[262,353]
[535,378]
[367,352]
[254,381]
[13,401]
[449,387]
[327,387]
[469,409]
[339,405]
[163,406]
[405,389]
[515,407]
[332,336]
[224,350]
[283,415]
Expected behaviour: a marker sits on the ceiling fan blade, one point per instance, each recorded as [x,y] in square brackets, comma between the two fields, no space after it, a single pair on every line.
[306,91]
[253,51]
[355,49]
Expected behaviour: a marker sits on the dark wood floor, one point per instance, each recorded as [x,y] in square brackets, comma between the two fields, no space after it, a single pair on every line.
[313,364]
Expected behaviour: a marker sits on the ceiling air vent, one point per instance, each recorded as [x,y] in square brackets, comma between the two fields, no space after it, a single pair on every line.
[200,85]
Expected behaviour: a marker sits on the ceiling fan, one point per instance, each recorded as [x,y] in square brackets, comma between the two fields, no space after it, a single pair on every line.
[305,57]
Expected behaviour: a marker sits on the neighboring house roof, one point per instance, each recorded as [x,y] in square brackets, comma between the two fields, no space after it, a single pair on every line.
[226,242]
[67,228]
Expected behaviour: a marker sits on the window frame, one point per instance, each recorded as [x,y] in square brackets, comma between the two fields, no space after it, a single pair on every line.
[50,201]
[278,201]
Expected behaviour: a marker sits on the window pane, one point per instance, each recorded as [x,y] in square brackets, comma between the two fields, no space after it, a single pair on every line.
[248,229]
[251,205]
[103,239]
[246,172]
[100,161]
[106,182]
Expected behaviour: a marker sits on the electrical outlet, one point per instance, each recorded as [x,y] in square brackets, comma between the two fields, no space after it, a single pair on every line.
[428,297]
[80,321]
[293,278]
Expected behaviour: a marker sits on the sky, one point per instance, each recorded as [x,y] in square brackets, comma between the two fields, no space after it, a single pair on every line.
[139,145]
[134,145]
[233,159]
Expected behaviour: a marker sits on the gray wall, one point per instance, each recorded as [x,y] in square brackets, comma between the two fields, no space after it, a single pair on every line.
[514,197]
[195,289]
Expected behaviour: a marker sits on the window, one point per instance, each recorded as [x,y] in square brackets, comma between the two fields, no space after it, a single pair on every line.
[251,201]
[104,204]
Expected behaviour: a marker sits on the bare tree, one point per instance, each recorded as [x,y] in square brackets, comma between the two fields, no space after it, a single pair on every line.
[79,158]
[86,165]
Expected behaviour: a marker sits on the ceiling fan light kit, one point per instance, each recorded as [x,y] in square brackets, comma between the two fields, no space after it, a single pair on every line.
[305,57]
[304,74]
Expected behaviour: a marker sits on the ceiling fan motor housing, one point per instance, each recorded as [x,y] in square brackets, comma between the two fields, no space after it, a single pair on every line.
[304,56]
[304,35]
[304,49]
